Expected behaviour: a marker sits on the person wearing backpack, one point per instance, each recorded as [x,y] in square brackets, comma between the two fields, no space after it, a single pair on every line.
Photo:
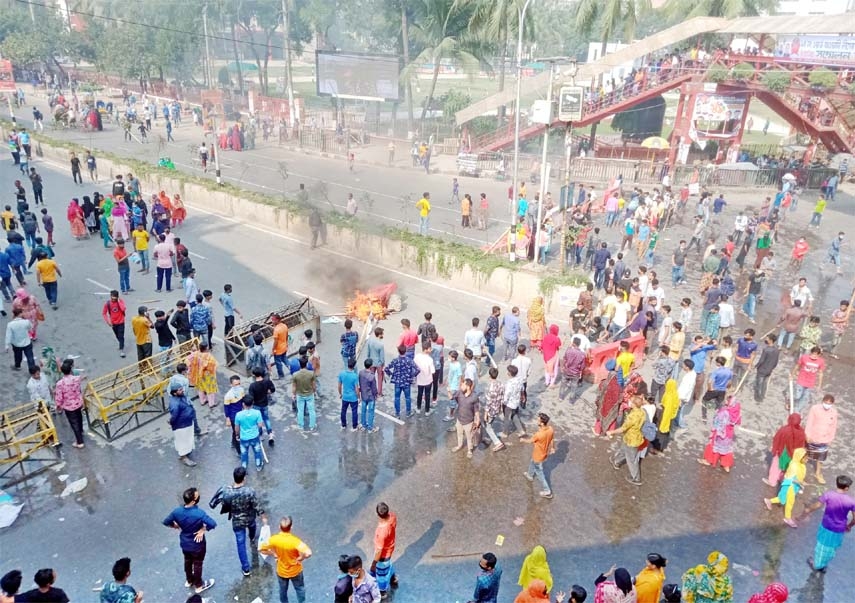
[257,357]
[114,315]
[30,225]
[633,438]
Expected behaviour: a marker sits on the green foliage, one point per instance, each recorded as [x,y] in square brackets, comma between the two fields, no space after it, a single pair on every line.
[448,256]
[679,10]
[824,77]
[776,81]
[452,102]
[742,71]
[611,18]
[717,73]
[550,284]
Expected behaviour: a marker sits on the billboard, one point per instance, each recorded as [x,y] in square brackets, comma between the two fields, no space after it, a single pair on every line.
[717,117]
[816,49]
[352,75]
[570,103]
[7,77]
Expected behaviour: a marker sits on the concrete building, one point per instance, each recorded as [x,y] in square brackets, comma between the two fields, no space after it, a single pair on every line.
[815,7]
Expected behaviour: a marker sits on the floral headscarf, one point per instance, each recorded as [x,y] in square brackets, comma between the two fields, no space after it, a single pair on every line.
[709,583]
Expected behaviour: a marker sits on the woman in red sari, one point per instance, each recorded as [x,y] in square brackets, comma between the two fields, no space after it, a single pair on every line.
[236,138]
[179,213]
[74,213]
[166,202]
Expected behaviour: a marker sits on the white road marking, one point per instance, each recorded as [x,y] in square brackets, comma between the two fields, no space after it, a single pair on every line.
[320,301]
[751,431]
[97,284]
[390,417]
[196,255]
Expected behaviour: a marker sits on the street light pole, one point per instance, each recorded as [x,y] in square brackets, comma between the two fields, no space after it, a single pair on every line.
[567,150]
[544,167]
[521,13]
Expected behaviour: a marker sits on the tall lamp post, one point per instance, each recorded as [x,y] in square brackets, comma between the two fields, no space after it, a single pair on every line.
[571,71]
[521,13]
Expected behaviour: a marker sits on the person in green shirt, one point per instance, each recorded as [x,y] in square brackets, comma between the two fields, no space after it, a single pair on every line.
[651,247]
[818,210]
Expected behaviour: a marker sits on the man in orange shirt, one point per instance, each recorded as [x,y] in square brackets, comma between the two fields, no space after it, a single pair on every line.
[384,548]
[280,344]
[544,445]
[290,552]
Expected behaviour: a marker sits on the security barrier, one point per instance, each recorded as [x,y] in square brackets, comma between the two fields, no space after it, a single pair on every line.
[297,316]
[28,441]
[121,401]
[601,354]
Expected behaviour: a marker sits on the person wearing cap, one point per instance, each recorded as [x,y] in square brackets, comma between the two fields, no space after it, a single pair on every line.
[142,326]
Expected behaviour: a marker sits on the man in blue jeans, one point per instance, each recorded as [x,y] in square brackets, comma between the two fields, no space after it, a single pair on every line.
[402,373]
[303,386]
[368,394]
[244,508]
[348,389]
[248,425]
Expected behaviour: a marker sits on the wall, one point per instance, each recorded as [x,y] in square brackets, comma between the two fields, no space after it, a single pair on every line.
[514,287]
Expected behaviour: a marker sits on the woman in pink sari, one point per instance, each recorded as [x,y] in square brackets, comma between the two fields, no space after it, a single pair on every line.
[550,346]
[30,310]
[179,213]
[720,447]
[120,220]
[74,213]
[236,146]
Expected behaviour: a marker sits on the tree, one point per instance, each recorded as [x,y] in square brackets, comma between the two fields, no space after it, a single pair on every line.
[260,15]
[680,10]
[497,20]
[321,16]
[441,29]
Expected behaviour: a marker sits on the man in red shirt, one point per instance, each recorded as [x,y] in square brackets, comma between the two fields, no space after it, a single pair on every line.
[808,373]
[114,316]
[384,548]
[408,338]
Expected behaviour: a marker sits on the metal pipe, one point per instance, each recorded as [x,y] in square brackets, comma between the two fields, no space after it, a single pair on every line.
[544,172]
[515,192]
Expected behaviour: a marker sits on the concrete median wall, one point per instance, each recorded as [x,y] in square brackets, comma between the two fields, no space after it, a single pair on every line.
[515,287]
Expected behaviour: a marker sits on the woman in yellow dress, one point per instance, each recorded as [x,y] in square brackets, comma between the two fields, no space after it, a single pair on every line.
[536,322]
[202,373]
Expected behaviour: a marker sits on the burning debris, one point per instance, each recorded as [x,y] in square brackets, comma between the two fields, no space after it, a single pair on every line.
[378,302]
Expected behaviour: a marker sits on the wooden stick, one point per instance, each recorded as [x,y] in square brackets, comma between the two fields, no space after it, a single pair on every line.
[496,242]
[791,393]
[741,381]
[449,556]
[263,452]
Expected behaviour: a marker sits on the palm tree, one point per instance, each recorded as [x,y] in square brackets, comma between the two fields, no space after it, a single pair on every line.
[441,29]
[498,20]
[679,10]
[611,16]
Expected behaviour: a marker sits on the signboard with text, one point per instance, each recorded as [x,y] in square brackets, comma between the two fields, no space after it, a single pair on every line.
[826,49]
[717,117]
[570,103]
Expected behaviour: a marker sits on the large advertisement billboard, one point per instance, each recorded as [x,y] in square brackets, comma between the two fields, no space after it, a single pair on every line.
[362,76]
[816,49]
[717,117]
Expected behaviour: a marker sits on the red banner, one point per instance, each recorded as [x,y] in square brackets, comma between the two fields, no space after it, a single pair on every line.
[278,107]
[7,77]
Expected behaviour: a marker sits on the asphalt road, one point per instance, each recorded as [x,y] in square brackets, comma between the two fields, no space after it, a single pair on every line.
[449,508]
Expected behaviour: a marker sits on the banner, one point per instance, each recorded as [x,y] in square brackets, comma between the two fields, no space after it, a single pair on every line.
[717,117]
[7,77]
[816,48]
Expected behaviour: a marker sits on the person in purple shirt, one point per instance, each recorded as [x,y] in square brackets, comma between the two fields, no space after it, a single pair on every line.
[835,523]
[192,522]
[572,367]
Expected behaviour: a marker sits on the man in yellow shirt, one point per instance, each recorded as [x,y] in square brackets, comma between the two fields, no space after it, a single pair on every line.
[280,344]
[47,272]
[625,359]
[290,552]
[423,205]
[632,438]
[142,326]
[141,246]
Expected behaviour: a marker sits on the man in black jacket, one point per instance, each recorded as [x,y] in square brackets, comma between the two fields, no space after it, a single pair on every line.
[244,508]
[181,322]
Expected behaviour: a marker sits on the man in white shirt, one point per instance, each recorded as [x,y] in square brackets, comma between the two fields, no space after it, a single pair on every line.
[474,340]
[802,292]
[686,388]
[726,316]
[623,310]
[656,290]
[424,378]
[739,226]
[523,364]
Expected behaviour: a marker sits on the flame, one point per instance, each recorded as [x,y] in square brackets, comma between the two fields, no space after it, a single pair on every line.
[373,302]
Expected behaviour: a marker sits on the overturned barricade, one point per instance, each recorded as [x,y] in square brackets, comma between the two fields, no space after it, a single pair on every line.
[297,316]
[121,401]
[28,441]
